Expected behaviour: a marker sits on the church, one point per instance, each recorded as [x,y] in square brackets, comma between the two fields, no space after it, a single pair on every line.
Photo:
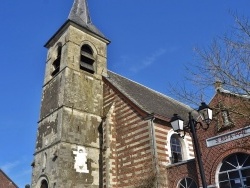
[99,129]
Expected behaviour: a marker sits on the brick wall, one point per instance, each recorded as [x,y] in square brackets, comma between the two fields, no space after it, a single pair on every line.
[163,133]
[127,142]
[213,156]
[136,149]
[177,172]
[5,181]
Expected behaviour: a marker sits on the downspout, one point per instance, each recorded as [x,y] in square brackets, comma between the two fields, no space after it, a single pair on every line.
[154,147]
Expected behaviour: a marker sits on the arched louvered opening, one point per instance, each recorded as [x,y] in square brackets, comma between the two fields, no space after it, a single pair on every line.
[87,59]
[56,63]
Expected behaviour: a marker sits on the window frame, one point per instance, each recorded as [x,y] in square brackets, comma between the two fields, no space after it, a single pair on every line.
[180,184]
[228,176]
[180,154]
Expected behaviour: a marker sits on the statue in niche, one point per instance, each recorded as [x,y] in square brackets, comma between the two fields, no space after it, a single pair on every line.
[81,160]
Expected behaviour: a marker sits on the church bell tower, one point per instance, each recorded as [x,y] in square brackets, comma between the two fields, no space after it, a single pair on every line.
[67,153]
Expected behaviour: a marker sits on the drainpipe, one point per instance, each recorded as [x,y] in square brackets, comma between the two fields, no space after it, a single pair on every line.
[151,118]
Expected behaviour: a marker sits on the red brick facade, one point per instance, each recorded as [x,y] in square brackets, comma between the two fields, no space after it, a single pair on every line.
[213,156]
[5,181]
[176,173]
[127,137]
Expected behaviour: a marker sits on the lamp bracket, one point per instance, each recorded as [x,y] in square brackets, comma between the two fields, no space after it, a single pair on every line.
[201,125]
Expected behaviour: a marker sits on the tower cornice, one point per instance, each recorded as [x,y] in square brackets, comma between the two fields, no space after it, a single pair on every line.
[61,30]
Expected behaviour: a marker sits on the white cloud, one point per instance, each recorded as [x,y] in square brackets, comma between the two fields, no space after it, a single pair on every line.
[151,59]
[7,167]
[19,171]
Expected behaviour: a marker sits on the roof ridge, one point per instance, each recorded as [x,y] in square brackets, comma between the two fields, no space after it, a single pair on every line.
[154,91]
[139,105]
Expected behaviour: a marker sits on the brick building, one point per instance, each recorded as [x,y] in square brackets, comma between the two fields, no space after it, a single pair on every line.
[225,146]
[5,181]
[137,134]
[99,129]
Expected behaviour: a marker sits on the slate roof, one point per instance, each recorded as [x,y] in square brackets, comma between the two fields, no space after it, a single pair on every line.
[79,14]
[147,99]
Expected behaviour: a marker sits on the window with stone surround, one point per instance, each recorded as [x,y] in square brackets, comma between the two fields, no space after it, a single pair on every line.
[87,59]
[176,149]
[187,183]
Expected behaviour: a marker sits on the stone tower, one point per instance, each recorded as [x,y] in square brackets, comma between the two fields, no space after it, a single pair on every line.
[67,153]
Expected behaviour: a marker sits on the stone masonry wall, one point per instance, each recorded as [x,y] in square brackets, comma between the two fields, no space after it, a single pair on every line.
[71,111]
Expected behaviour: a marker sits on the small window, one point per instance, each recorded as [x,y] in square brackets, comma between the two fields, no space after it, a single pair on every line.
[87,59]
[56,63]
[176,149]
[187,183]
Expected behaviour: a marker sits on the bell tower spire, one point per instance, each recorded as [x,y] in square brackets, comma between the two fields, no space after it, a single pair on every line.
[79,14]
[68,147]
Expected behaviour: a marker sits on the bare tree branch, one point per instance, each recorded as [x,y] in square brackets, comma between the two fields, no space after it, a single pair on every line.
[226,60]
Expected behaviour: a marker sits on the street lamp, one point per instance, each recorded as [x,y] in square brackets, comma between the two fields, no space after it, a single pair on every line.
[178,126]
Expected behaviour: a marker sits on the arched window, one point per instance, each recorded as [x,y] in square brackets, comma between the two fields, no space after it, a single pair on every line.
[235,171]
[176,149]
[187,183]
[87,59]
[44,184]
[56,63]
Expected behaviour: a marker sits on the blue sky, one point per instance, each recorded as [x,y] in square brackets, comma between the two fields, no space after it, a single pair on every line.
[151,41]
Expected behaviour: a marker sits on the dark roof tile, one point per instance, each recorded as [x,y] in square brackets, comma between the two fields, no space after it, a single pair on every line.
[147,99]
